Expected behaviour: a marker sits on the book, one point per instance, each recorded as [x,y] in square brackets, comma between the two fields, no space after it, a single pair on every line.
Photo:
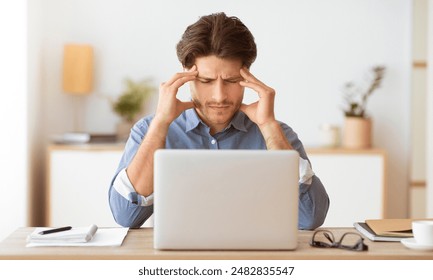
[391,227]
[74,235]
[365,230]
[386,229]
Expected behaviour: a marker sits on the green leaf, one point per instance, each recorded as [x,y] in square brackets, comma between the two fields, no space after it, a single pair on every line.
[130,103]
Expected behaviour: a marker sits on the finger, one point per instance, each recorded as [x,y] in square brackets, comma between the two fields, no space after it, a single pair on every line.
[181,81]
[246,74]
[178,76]
[254,86]
[244,107]
[247,109]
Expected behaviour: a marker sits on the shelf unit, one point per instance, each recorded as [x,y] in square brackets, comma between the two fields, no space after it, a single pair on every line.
[79,177]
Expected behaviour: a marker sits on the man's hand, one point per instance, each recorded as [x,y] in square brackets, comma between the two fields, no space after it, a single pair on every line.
[260,112]
[169,107]
[140,170]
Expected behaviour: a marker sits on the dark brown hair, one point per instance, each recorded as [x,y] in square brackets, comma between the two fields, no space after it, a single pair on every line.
[219,35]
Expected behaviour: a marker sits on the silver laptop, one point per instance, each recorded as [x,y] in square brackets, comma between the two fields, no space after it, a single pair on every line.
[226,200]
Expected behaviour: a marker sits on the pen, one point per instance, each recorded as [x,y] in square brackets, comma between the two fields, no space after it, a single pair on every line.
[55,230]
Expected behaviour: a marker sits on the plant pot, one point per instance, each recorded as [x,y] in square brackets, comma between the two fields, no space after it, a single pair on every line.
[357,133]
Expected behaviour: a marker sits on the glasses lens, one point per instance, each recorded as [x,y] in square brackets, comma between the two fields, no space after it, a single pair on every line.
[323,239]
[351,241]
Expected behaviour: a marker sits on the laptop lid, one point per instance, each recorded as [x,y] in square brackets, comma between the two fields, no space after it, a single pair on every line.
[226,199]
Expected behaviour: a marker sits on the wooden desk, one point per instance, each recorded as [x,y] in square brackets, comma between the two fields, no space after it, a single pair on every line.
[138,245]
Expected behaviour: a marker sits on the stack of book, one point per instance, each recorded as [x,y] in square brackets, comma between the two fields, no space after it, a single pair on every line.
[385,229]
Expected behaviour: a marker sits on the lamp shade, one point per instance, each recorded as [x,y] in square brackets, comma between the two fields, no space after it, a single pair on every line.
[78,69]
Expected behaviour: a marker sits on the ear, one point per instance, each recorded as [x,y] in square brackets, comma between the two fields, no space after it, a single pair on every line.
[185,68]
[193,68]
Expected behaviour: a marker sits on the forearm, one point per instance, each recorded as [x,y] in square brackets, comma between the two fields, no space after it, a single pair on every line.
[274,137]
[140,170]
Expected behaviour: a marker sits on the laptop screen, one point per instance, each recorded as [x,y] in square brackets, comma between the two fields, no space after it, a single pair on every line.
[226,199]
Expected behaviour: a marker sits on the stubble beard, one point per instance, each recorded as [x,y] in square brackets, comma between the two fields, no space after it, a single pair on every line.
[200,108]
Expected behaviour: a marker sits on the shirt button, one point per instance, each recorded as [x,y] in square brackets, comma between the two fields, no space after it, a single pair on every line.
[213,141]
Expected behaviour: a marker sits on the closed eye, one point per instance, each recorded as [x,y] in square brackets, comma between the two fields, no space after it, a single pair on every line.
[204,81]
[234,81]
[231,81]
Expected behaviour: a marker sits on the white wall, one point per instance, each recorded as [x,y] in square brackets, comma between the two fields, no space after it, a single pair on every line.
[418,111]
[429,191]
[306,50]
[13,116]
[419,90]
[37,112]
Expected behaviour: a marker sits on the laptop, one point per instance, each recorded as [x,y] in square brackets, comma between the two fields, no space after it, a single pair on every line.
[226,199]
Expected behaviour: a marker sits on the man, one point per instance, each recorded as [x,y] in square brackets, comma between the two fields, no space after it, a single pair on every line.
[216,53]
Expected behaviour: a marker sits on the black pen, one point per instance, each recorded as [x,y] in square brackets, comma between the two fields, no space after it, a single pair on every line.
[55,230]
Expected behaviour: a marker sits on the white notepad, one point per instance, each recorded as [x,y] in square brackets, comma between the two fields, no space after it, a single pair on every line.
[102,237]
[74,235]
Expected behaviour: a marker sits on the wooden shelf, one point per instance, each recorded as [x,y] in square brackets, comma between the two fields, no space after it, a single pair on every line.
[115,146]
[419,64]
[341,150]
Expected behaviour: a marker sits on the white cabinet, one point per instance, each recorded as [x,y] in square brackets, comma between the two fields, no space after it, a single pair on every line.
[79,178]
[355,182]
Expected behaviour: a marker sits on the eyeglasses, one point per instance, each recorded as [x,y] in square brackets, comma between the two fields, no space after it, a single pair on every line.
[349,241]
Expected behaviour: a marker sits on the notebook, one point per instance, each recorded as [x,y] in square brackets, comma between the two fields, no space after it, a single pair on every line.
[226,199]
[370,234]
[74,235]
[391,227]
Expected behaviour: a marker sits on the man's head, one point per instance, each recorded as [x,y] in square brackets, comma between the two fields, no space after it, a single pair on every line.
[218,47]
[219,35]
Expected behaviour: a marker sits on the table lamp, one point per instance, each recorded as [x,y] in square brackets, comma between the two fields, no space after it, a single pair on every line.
[77,81]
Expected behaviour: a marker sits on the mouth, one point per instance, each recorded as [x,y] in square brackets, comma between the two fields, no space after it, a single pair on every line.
[219,107]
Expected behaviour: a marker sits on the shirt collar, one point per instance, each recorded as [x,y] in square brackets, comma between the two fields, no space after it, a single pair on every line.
[193,120]
[238,121]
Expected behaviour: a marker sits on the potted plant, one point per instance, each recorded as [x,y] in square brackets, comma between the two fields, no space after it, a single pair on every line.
[358,125]
[130,104]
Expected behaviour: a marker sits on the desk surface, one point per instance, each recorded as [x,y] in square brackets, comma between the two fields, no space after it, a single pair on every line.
[138,244]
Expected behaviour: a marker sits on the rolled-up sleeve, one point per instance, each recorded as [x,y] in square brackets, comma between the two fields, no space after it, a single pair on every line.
[124,187]
[313,204]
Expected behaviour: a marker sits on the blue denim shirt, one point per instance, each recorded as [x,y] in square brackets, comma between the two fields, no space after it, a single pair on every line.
[130,209]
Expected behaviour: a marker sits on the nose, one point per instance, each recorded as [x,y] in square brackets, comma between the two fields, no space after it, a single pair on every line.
[219,92]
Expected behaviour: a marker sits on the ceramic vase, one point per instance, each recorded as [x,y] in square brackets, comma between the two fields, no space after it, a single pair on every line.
[357,133]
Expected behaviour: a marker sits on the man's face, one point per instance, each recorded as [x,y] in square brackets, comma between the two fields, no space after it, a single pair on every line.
[216,92]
